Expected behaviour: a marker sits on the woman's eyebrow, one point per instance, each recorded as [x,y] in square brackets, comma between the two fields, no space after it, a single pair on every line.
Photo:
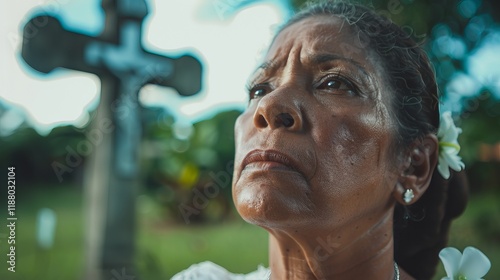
[315,59]
[327,57]
[269,66]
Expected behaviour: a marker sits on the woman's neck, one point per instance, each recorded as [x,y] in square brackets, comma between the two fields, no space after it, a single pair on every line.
[356,252]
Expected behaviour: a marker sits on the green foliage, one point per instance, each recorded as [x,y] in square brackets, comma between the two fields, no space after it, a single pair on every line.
[190,168]
[34,154]
[483,113]
[478,139]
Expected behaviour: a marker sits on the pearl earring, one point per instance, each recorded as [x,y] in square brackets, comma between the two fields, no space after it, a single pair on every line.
[408,196]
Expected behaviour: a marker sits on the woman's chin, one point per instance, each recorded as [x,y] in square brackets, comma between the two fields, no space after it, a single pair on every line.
[270,207]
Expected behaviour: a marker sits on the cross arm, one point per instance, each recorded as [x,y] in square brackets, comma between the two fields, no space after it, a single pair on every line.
[47,45]
[186,77]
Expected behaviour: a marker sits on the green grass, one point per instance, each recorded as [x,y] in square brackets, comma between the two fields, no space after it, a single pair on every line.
[64,260]
[237,246]
[164,248]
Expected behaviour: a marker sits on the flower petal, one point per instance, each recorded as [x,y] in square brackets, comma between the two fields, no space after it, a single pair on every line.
[448,146]
[443,168]
[445,124]
[452,159]
[451,260]
[474,263]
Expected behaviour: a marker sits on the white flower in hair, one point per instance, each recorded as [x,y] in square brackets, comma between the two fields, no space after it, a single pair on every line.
[448,146]
[472,265]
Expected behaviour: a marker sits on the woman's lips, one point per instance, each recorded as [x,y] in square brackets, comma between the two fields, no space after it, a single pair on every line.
[269,160]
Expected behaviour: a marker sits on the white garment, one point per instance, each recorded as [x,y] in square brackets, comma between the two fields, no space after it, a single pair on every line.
[211,271]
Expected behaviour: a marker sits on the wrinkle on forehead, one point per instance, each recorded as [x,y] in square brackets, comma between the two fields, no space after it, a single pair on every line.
[320,24]
[326,31]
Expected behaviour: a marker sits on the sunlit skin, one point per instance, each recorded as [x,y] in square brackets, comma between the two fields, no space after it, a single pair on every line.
[315,162]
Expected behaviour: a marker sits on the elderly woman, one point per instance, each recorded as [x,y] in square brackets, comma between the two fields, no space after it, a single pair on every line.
[337,151]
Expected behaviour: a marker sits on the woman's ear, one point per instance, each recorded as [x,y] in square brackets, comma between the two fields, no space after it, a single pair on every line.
[416,172]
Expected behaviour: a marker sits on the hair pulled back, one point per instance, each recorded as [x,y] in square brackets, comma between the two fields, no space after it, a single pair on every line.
[420,231]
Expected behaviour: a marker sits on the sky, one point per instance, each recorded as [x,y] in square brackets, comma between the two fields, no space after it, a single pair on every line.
[228,37]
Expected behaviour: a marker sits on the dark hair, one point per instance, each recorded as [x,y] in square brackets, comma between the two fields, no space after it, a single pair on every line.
[419,236]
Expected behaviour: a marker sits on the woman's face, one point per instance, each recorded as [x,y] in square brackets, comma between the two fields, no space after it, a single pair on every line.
[313,148]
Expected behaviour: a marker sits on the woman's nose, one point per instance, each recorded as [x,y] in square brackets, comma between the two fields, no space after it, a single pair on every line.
[278,110]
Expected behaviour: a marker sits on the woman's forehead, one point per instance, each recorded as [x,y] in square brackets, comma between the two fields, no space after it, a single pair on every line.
[324,34]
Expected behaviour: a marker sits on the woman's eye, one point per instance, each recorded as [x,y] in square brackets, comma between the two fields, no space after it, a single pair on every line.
[333,84]
[258,91]
[336,85]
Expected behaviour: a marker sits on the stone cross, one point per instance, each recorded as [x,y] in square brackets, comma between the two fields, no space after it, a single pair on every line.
[117,57]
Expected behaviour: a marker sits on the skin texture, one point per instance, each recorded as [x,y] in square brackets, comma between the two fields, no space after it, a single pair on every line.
[315,163]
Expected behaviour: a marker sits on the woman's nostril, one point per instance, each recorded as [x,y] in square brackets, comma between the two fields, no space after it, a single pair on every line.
[261,121]
[285,119]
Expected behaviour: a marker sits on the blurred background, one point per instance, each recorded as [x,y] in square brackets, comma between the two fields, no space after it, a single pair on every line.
[184,210]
